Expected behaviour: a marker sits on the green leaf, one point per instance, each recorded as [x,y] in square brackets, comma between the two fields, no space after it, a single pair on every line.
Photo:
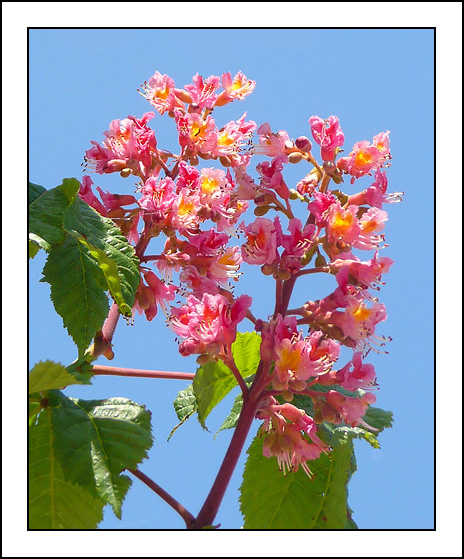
[96,440]
[212,382]
[110,271]
[231,420]
[215,380]
[48,375]
[47,210]
[34,191]
[271,500]
[101,233]
[33,248]
[54,502]
[245,351]
[378,418]
[76,290]
[185,405]
[70,188]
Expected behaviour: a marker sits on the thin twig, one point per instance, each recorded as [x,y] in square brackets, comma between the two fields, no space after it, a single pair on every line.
[140,373]
[188,517]
[229,361]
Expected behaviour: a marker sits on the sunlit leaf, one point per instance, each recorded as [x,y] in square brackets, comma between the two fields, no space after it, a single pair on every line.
[54,502]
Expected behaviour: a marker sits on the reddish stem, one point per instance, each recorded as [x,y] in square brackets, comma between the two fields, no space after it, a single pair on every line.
[186,515]
[140,373]
[229,361]
[213,501]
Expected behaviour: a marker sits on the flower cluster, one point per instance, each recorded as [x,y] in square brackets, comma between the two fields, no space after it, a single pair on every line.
[337,225]
[197,210]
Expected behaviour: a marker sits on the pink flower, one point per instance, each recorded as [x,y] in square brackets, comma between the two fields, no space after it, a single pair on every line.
[289,435]
[261,244]
[351,410]
[292,366]
[114,202]
[271,176]
[246,189]
[321,203]
[213,185]
[296,244]
[225,265]
[232,139]
[86,194]
[112,207]
[352,376]
[350,270]
[199,322]
[157,201]
[271,144]
[187,177]
[358,321]
[342,224]
[237,88]
[153,294]
[185,210]
[371,223]
[328,134]
[207,243]
[362,160]
[209,324]
[160,92]
[197,134]
[382,143]
[197,283]
[376,194]
[203,91]
[129,143]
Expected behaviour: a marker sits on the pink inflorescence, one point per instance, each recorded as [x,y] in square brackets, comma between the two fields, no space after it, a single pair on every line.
[195,200]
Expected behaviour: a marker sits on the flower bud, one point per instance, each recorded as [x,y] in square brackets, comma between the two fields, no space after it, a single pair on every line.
[225,161]
[337,176]
[268,269]
[295,195]
[287,395]
[203,359]
[304,144]
[206,155]
[126,172]
[295,157]
[261,210]
[298,385]
[144,297]
[329,167]
[284,275]
[320,261]
[183,95]
[329,414]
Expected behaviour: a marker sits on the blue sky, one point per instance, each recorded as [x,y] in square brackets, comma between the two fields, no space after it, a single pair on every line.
[373,80]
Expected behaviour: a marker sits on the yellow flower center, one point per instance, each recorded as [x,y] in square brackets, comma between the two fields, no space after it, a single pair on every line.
[185,207]
[209,185]
[362,313]
[362,158]
[342,222]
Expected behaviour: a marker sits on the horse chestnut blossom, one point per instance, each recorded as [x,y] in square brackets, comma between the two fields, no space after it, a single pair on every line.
[192,231]
[328,134]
